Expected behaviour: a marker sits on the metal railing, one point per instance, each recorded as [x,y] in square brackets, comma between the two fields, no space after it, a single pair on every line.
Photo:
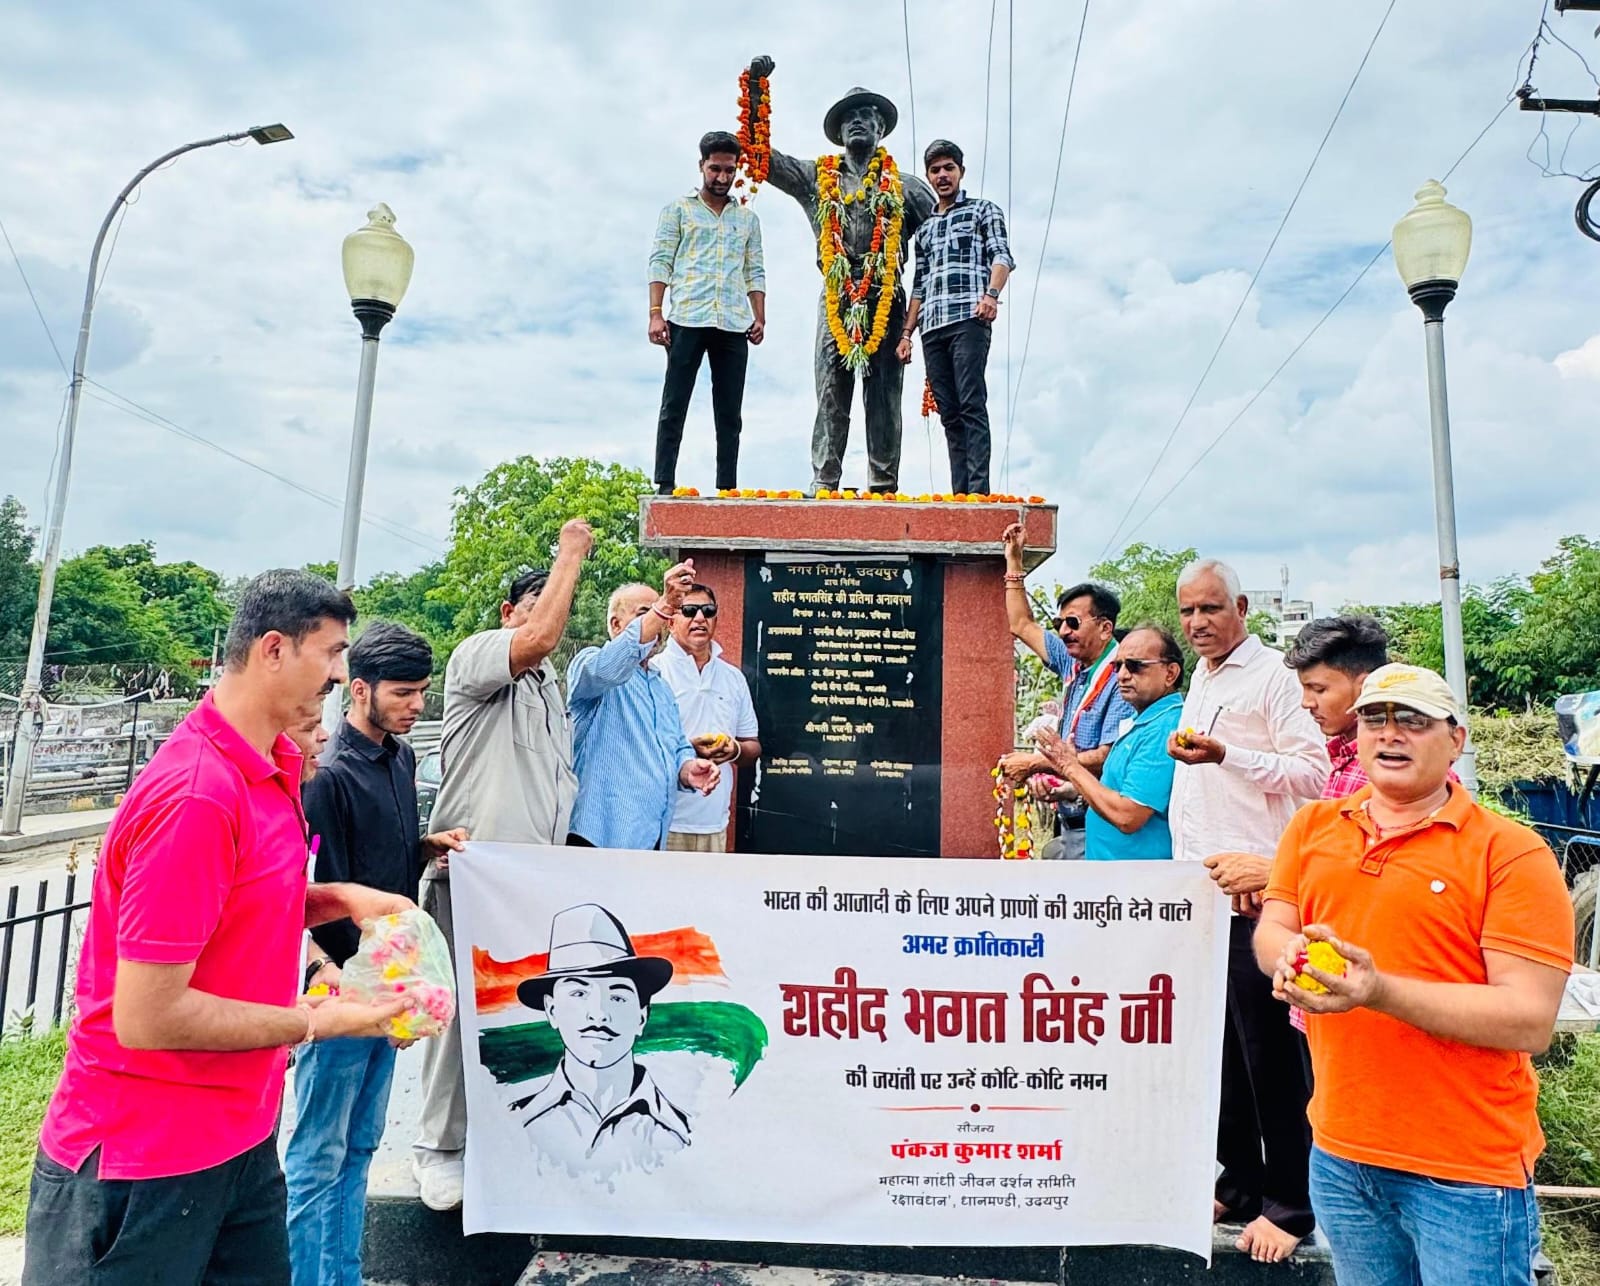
[37,959]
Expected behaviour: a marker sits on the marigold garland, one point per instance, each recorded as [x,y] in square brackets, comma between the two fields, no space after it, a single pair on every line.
[1013,845]
[755,133]
[929,406]
[856,338]
[765,493]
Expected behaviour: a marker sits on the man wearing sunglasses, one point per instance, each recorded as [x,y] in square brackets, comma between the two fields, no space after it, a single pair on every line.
[1080,649]
[1455,931]
[1128,803]
[718,717]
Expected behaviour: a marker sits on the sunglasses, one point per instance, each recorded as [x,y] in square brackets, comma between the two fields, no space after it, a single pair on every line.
[692,610]
[1411,720]
[1071,622]
[1133,665]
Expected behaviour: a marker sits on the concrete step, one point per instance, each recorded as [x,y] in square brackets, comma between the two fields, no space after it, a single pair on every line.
[410,1244]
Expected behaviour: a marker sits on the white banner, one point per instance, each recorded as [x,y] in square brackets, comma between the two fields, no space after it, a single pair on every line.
[881,1051]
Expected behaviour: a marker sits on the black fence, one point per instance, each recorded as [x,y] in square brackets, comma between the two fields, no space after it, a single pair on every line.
[38,953]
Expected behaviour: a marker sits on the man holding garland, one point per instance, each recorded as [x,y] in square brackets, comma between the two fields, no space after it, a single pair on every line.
[865,212]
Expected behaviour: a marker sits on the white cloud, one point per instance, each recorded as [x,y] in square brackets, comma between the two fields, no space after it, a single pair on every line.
[527,147]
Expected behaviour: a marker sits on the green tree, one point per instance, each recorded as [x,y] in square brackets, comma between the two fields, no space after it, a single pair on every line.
[1558,634]
[19,579]
[1146,579]
[99,616]
[186,595]
[408,599]
[509,522]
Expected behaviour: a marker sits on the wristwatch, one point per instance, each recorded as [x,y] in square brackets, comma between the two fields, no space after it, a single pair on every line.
[992,293]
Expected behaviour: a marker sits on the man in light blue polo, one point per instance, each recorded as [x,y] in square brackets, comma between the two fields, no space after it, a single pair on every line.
[1127,819]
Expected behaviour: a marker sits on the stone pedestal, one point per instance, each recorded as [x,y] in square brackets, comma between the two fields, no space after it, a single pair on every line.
[873,635]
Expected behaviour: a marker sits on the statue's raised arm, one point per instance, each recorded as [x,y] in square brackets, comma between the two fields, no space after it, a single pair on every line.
[786,173]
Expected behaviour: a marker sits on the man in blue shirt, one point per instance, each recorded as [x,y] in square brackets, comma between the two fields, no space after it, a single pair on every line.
[1081,650]
[628,746]
[1128,801]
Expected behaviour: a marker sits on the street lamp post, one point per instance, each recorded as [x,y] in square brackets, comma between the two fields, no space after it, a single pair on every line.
[1431,245]
[377,270]
[30,715]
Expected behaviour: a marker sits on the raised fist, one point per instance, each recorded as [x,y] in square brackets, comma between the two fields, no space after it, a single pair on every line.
[762,66]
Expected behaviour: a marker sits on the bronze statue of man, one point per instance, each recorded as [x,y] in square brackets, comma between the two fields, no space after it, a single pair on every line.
[857,123]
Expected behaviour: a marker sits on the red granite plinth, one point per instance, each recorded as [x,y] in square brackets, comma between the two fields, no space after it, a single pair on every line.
[978,702]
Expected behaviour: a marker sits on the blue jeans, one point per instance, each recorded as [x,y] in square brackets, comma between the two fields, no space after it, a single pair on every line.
[341,1093]
[1395,1228]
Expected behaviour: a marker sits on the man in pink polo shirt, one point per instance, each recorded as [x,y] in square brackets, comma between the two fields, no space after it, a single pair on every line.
[157,1161]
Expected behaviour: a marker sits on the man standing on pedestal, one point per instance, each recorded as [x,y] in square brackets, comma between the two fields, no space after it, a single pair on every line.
[963,260]
[708,250]
[864,213]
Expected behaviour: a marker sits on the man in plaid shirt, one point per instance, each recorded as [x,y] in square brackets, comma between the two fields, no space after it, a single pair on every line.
[1333,656]
[708,252]
[963,260]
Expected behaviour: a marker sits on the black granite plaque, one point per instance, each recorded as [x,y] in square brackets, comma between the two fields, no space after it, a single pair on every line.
[844,660]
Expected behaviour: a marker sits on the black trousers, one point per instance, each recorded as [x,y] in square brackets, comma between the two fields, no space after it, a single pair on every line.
[225,1226]
[1263,1137]
[955,357]
[729,352]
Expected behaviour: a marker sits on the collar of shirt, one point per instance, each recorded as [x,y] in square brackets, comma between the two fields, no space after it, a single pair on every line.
[1080,671]
[211,723]
[961,200]
[1454,812]
[1341,751]
[1240,656]
[679,657]
[1150,712]
[646,1100]
[353,739]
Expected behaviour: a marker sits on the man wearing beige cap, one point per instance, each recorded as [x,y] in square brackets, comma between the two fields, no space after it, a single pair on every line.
[1439,937]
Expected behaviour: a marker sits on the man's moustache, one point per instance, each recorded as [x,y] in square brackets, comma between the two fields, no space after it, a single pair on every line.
[596,1031]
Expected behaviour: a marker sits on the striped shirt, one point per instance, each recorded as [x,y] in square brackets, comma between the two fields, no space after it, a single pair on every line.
[709,262]
[627,745]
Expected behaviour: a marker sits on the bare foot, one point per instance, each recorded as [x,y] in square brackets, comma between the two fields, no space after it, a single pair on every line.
[1265,1242]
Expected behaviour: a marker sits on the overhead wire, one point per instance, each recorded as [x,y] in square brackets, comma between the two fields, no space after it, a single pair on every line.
[1306,339]
[1011,81]
[118,401]
[1250,288]
[911,85]
[988,73]
[33,298]
[1015,395]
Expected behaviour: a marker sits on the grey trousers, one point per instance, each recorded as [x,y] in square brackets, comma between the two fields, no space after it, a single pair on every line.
[881,390]
[442,1128]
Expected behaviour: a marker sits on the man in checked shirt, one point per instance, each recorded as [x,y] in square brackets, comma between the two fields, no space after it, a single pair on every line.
[963,260]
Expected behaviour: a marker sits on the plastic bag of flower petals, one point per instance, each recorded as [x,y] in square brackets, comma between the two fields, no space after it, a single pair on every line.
[404,954]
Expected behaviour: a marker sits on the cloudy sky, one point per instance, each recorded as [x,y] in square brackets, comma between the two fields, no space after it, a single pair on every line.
[526,148]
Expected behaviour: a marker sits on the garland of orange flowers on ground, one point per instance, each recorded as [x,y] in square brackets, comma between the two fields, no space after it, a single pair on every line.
[755,133]
[856,335]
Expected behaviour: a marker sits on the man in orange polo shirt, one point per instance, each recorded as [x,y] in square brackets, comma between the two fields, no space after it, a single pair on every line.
[1456,930]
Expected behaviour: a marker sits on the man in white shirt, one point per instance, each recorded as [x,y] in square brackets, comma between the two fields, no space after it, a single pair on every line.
[718,718]
[1248,757]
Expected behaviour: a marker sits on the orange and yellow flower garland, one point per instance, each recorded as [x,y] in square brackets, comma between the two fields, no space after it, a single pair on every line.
[845,295]
[755,133]
[929,405]
[1014,845]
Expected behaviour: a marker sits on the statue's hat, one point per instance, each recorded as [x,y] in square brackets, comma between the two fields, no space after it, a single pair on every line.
[858,97]
[589,942]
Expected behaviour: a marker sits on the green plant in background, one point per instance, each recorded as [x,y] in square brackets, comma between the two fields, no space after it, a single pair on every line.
[29,1068]
[1569,1111]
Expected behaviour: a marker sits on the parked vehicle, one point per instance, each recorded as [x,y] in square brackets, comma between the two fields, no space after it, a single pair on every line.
[430,772]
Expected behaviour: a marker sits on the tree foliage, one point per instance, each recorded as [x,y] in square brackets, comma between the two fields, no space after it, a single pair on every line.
[508,523]
[19,579]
